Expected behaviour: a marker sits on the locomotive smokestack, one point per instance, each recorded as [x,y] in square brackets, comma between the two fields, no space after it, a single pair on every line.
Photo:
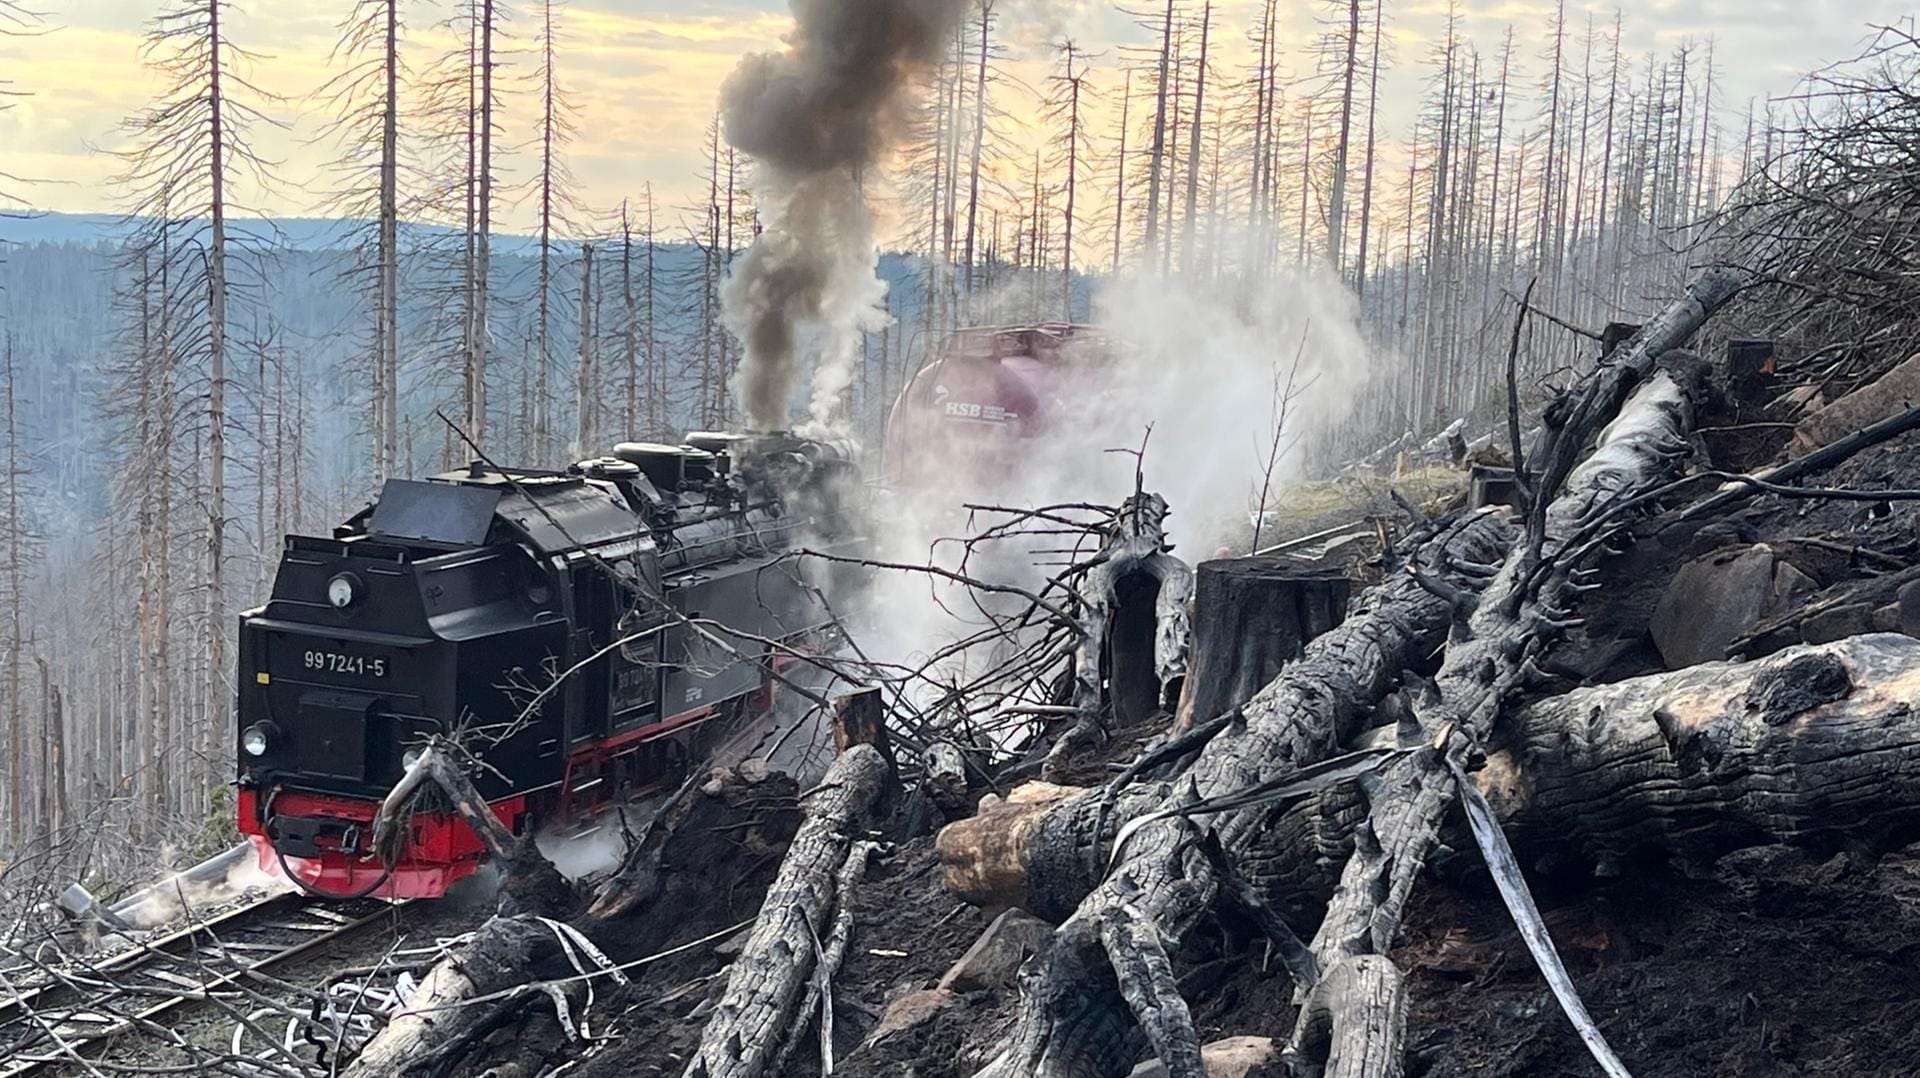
[815,118]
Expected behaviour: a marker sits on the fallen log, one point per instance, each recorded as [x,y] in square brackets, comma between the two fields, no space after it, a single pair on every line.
[1074,1018]
[1570,505]
[749,1026]
[1170,887]
[1818,742]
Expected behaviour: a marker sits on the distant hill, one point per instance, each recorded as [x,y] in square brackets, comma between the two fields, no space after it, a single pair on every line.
[60,276]
[24,227]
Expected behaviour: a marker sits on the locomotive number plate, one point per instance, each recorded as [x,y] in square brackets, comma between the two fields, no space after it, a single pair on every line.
[340,662]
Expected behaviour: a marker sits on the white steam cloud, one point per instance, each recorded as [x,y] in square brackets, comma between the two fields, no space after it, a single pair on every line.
[1203,362]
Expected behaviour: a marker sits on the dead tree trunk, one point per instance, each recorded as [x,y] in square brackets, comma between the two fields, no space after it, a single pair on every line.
[1252,616]
[1133,647]
[760,1005]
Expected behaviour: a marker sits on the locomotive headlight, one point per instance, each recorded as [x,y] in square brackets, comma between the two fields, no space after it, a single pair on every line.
[255,739]
[343,591]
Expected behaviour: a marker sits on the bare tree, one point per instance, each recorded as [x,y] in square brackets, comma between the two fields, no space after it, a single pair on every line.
[555,192]
[364,97]
[1195,139]
[484,18]
[1159,148]
[187,151]
[15,21]
[587,376]
[985,23]
[1120,172]
[13,531]
[1349,49]
[1366,176]
[1064,107]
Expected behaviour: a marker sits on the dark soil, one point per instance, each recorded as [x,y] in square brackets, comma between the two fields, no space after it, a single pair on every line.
[1776,963]
[716,868]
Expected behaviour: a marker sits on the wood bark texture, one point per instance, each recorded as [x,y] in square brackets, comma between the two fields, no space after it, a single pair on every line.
[764,987]
[1074,1018]
[1123,666]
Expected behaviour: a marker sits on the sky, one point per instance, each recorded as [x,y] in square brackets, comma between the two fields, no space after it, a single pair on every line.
[644,76]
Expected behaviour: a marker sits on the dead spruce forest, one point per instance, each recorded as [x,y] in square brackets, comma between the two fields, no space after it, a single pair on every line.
[1526,491]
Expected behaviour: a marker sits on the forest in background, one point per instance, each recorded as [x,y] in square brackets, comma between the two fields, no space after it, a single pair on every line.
[194,382]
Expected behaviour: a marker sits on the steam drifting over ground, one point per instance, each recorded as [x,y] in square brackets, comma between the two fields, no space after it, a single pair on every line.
[816,119]
[1205,363]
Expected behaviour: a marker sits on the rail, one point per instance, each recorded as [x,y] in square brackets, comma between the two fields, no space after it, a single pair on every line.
[68,1011]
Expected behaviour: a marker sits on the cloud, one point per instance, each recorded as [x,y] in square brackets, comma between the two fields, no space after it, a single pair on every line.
[646,73]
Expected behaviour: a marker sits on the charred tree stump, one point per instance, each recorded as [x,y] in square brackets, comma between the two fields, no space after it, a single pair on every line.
[1252,616]
[860,718]
[1133,628]
[762,998]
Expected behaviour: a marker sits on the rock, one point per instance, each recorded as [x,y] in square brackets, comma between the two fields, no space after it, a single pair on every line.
[1909,601]
[910,1011]
[1716,599]
[1233,1057]
[1888,395]
[1720,534]
[1837,623]
[995,957]
[750,780]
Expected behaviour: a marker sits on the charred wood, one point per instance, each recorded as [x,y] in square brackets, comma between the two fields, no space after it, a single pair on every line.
[763,996]
[1306,714]
[1251,617]
[1134,632]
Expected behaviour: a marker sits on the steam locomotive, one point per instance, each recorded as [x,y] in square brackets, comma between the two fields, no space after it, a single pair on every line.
[597,629]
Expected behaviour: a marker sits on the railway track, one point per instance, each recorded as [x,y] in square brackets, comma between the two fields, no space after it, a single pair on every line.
[65,1013]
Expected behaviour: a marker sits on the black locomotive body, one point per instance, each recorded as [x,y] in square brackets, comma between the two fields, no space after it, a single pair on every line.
[595,629]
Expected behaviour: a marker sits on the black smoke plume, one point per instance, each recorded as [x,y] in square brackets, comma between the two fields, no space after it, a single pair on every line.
[816,118]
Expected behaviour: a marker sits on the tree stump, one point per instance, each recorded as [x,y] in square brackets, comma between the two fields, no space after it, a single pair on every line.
[1252,616]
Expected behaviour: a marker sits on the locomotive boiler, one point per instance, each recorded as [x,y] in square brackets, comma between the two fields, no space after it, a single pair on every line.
[591,633]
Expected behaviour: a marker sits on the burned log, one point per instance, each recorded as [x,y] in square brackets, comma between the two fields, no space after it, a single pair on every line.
[762,1000]
[1816,743]
[1171,888]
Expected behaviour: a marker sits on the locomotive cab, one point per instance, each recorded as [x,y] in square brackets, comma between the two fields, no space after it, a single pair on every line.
[541,617]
